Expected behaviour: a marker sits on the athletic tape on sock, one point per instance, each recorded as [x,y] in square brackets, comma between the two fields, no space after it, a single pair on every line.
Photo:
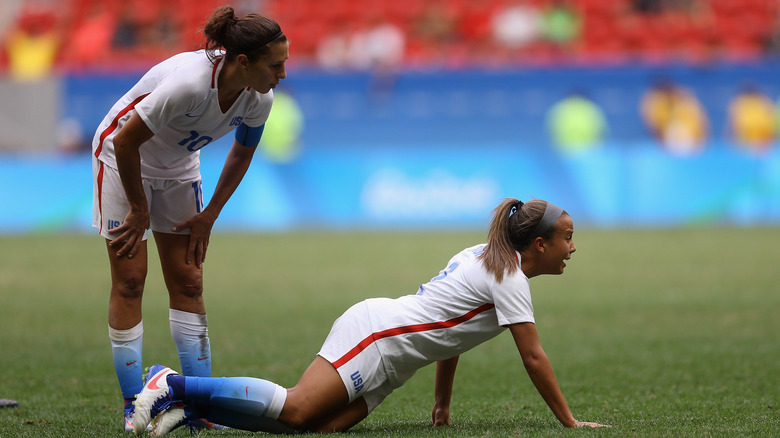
[126,335]
[277,403]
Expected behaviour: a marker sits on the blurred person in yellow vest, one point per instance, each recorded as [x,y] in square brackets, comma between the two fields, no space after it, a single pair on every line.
[675,117]
[752,119]
[32,45]
[576,124]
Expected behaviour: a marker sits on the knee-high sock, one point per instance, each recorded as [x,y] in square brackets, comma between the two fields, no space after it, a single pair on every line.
[191,334]
[126,347]
[239,402]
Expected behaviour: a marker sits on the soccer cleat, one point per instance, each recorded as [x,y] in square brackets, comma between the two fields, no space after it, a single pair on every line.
[170,419]
[129,411]
[7,403]
[154,398]
[128,417]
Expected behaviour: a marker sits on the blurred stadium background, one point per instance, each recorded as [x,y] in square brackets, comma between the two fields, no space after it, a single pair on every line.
[424,113]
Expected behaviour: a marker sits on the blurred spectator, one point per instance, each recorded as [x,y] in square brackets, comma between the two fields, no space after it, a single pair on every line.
[32,45]
[675,117]
[333,50]
[561,23]
[752,119]
[517,24]
[127,27]
[376,46]
[9,10]
[435,30]
[648,6]
[90,41]
[379,46]
[576,124]
[147,31]
[772,43]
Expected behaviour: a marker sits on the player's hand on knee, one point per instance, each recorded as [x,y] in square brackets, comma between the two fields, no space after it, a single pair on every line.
[200,231]
[131,232]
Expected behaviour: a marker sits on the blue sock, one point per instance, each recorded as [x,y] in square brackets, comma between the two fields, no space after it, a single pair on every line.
[191,334]
[126,347]
[239,402]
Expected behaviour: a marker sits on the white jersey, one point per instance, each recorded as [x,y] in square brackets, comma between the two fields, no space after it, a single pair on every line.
[178,101]
[457,310]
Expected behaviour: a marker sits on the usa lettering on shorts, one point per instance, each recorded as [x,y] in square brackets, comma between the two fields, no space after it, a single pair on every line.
[357,381]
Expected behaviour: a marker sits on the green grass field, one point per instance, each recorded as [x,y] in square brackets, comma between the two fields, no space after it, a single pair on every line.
[657,332]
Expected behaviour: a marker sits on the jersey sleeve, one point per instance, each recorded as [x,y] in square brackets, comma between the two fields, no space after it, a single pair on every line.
[512,298]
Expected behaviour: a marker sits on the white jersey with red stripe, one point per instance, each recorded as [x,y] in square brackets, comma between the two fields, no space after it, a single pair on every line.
[457,310]
[178,101]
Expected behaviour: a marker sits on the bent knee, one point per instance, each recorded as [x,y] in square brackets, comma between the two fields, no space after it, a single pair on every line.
[297,419]
[129,286]
[191,288]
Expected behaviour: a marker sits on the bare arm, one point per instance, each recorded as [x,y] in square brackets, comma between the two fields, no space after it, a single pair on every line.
[238,160]
[445,375]
[541,373]
[127,143]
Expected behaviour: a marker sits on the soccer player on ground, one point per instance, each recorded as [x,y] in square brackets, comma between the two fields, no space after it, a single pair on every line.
[378,344]
[146,175]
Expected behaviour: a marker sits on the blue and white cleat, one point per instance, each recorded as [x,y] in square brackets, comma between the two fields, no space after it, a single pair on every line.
[173,417]
[129,411]
[178,415]
[155,397]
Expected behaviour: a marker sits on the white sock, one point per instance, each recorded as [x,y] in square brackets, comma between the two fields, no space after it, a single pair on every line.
[127,347]
[277,403]
[191,334]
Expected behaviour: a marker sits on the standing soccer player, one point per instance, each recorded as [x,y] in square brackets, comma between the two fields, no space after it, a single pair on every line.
[146,175]
[378,344]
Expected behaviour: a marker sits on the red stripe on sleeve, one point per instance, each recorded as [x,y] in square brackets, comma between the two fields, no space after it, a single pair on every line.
[370,339]
[114,123]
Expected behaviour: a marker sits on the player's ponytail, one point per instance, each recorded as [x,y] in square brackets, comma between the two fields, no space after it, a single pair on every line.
[513,228]
[249,35]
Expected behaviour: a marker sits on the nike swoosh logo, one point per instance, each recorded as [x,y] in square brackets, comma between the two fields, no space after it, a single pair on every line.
[130,363]
[153,382]
[202,358]
[191,116]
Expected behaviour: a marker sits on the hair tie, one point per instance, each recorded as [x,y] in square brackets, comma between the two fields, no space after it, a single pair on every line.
[518,205]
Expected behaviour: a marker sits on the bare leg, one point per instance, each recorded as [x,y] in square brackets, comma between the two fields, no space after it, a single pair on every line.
[320,403]
[184,282]
[127,288]
[340,421]
[128,276]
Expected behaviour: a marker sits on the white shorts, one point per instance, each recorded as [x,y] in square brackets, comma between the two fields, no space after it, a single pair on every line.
[170,202]
[350,348]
